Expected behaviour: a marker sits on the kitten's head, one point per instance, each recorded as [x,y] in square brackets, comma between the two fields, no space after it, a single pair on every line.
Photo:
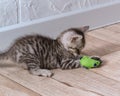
[73,39]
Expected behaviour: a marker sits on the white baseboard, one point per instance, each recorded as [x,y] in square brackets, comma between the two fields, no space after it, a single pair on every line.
[51,26]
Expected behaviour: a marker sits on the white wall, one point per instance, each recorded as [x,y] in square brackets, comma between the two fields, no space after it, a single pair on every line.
[51,26]
[17,11]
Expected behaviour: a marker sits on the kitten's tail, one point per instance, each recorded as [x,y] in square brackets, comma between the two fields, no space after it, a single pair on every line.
[4,56]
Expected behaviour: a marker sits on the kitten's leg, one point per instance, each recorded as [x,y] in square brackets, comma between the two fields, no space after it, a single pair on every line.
[34,67]
[70,63]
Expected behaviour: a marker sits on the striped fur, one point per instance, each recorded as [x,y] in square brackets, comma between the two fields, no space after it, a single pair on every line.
[41,53]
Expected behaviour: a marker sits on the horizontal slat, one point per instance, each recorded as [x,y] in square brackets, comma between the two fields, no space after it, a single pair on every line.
[115,27]
[95,46]
[107,35]
[111,66]
[42,85]
[88,80]
[10,88]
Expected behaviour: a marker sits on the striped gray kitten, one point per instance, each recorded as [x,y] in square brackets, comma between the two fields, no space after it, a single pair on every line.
[40,54]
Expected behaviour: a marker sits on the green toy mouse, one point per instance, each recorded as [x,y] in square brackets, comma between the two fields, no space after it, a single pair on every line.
[89,62]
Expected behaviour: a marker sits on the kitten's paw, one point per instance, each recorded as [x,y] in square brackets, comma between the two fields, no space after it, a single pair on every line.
[41,72]
[46,73]
[96,58]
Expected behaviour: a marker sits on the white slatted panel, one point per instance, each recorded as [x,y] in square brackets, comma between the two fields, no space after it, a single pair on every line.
[16,11]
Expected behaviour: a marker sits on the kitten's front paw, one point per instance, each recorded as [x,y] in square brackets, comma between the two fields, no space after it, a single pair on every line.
[76,65]
[46,73]
[96,58]
[41,72]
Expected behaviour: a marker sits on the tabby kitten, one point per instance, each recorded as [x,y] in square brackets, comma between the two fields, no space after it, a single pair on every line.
[40,54]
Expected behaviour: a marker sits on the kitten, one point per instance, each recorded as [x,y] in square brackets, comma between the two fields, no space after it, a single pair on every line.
[40,54]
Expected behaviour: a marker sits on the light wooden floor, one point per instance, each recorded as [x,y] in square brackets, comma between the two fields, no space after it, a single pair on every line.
[103,81]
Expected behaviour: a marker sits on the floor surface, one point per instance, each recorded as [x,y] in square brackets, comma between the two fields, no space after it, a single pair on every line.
[103,81]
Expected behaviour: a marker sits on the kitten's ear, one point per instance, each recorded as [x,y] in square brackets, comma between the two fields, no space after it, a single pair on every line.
[75,38]
[84,28]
